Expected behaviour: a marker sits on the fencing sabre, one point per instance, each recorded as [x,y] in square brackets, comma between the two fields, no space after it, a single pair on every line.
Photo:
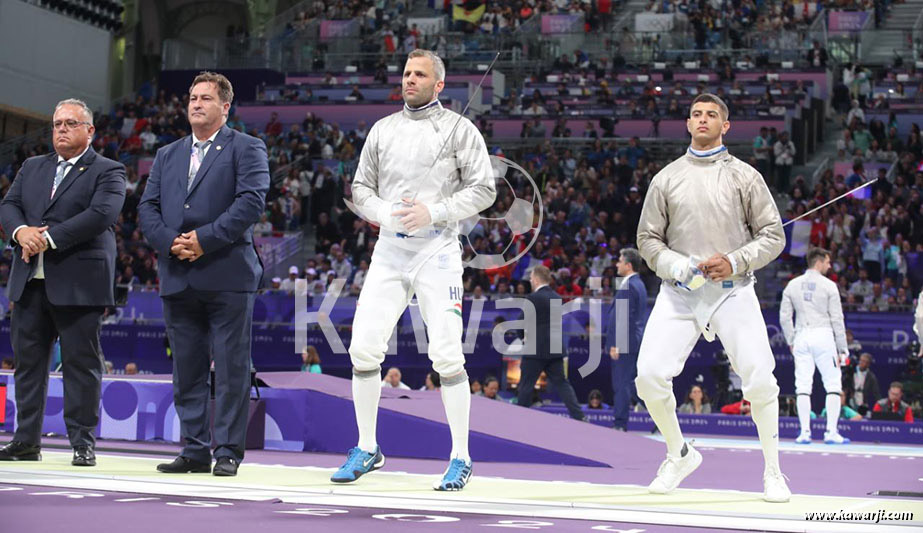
[799,217]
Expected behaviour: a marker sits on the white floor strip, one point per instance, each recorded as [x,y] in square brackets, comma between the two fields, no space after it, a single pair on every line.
[815,447]
[207,487]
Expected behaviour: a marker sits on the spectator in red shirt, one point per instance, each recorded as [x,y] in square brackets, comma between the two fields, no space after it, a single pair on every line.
[274,127]
[567,288]
[737,408]
[894,403]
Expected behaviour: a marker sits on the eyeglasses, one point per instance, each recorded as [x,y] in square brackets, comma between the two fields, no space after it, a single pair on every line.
[69,124]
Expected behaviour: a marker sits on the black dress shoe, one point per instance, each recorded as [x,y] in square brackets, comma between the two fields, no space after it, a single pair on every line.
[184,465]
[84,456]
[20,451]
[226,466]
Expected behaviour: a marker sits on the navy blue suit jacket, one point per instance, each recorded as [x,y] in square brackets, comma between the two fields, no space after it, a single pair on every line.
[544,330]
[636,294]
[80,270]
[226,199]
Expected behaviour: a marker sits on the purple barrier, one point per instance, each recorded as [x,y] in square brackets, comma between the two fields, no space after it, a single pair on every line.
[344,78]
[741,130]
[846,22]
[346,114]
[904,121]
[844,168]
[756,88]
[552,24]
[820,79]
[375,94]
[742,426]
[311,412]
[273,347]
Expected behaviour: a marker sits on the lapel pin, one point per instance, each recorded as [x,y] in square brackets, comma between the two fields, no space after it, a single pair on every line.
[218,147]
[81,169]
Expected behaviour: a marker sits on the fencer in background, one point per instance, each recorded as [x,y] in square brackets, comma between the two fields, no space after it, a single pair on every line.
[918,323]
[417,191]
[708,222]
[817,338]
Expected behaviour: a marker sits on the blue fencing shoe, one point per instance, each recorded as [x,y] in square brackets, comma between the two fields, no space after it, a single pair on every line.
[456,477]
[357,463]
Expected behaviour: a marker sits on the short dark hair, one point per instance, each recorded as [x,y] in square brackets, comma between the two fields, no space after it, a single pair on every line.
[490,379]
[896,385]
[711,99]
[815,255]
[225,90]
[632,257]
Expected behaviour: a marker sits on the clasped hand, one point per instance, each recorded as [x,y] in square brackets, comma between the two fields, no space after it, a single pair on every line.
[186,247]
[414,215]
[717,267]
[32,240]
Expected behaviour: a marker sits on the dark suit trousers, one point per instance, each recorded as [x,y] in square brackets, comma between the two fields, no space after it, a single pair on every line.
[624,372]
[35,324]
[530,370]
[201,326]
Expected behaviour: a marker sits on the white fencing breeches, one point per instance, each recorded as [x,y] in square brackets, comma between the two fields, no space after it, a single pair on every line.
[395,274]
[672,332]
[816,346]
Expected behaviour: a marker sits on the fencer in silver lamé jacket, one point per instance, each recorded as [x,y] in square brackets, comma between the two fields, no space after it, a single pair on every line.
[399,160]
[702,206]
[918,318]
[697,207]
[815,301]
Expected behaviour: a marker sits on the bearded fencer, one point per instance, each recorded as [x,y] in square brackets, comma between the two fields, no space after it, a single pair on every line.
[708,222]
[421,171]
[817,338]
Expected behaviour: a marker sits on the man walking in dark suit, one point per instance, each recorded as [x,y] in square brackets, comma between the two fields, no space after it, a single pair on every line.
[544,360]
[59,213]
[204,194]
[623,343]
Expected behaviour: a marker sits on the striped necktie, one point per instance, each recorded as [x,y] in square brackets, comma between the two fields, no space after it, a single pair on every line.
[198,155]
[59,175]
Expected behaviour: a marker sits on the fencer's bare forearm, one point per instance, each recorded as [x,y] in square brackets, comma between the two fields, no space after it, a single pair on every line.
[764,221]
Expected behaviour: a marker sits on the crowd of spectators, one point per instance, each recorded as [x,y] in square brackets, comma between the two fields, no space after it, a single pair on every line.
[870,235]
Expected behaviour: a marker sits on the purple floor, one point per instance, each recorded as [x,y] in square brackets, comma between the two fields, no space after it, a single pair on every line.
[832,474]
[51,510]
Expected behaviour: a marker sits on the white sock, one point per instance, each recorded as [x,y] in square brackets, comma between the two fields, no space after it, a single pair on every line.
[457,401]
[766,418]
[833,412]
[804,412]
[366,394]
[664,416]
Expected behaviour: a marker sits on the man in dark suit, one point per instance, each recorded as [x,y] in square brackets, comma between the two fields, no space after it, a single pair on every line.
[59,213]
[544,359]
[204,194]
[623,342]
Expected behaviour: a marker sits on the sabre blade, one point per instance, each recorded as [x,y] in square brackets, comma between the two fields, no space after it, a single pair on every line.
[799,217]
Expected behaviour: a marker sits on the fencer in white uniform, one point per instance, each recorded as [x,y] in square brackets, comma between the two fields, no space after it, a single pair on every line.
[816,338]
[708,222]
[918,322]
[416,178]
